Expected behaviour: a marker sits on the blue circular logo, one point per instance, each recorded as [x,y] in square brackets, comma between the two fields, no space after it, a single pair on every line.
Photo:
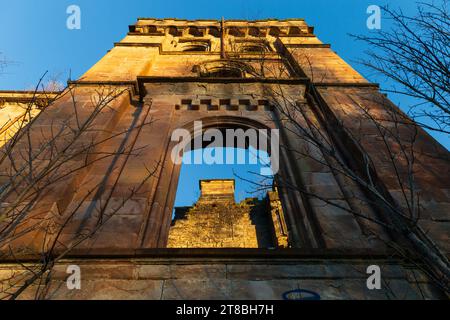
[301,294]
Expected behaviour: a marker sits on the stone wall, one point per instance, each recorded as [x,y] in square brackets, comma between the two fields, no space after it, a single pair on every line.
[218,277]
[162,86]
[216,221]
[17,108]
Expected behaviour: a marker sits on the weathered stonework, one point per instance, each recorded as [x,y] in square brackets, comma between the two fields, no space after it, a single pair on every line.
[181,277]
[280,230]
[175,72]
[17,108]
[216,221]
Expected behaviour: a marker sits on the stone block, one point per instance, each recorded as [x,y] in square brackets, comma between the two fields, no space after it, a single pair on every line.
[260,290]
[195,289]
[108,290]
[270,272]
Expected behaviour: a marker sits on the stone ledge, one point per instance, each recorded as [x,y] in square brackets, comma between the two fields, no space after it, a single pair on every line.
[221,254]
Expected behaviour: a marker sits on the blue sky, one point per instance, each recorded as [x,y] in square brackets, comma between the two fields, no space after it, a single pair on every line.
[191,173]
[34,37]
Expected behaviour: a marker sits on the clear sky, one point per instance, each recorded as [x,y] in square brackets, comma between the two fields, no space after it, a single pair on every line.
[243,173]
[34,37]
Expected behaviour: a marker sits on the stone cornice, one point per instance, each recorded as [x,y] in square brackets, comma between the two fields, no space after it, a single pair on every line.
[212,255]
[237,28]
[308,45]
[246,55]
[138,86]
[26,96]
[347,84]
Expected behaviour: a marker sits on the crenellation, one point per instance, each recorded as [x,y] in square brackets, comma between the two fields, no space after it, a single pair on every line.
[217,221]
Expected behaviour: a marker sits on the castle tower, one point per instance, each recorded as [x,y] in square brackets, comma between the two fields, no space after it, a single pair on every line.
[166,74]
[216,221]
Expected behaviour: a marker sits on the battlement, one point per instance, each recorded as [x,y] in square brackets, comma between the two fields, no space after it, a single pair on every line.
[238,28]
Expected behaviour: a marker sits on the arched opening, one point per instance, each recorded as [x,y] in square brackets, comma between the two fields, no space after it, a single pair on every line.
[224,69]
[225,72]
[221,205]
[253,48]
[225,196]
[195,48]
